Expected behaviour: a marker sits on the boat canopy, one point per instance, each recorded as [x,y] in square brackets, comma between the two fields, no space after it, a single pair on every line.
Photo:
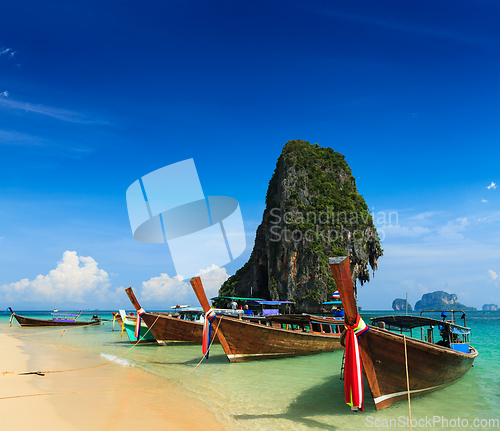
[459,330]
[65,314]
[410,322]
[262,302]
[332,303]
[236,298]
[189,310]
[301,319]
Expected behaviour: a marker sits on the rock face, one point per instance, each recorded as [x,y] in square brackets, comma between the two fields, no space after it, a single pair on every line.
[313,212]
[490,307]
[440,300]
[399,304]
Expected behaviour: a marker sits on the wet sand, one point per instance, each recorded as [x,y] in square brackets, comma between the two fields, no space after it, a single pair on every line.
[100,398]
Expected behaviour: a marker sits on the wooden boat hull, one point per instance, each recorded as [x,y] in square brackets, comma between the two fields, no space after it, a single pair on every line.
[30,321]
[245,340]
[118,318]
[250,341]
[166,328]
[145,335]
[430,366]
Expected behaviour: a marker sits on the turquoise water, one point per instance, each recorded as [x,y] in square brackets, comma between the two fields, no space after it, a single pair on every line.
[301,393]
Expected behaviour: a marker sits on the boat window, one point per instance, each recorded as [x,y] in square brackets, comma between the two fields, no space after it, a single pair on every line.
[316,327]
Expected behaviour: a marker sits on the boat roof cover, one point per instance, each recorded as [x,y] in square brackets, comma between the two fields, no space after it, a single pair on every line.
[298,319]
[262,302]
[237,298]
[191,310]
[409,322]
[331,303]
[65,314]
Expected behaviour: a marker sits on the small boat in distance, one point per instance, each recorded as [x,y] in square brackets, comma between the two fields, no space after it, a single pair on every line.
[58,319]
[275,336]
[395,365]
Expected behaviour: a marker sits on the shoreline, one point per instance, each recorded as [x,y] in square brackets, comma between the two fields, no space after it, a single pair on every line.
[102,397]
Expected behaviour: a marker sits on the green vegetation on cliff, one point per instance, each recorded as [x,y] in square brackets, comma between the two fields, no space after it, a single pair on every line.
[399,304]
[313,212]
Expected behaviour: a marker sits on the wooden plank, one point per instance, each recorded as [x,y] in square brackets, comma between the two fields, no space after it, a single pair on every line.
[132,298]
[199,291]
[341,270]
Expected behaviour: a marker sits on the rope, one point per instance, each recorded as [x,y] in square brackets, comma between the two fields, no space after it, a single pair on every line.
[65,393]
[100,365]
[407,379]
[94,366]
[111,360]
[211,341]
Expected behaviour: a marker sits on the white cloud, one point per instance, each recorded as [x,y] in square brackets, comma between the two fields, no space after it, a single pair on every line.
[24,140]
[166,290]
[75,279]
[492,274]
[484,200]
[4,94]
[57,113]
[6,51]
[402,231]
[423,215]
[452,228]
[212,279]
[492,186]
[21,139]
[414,287]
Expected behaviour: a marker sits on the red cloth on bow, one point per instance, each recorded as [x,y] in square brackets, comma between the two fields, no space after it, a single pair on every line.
[353,371]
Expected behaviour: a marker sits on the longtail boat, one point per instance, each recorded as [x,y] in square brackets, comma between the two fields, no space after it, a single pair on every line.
[130,328]
[117,318]
[58,319]
[396,366]
[246,338]
[166,327]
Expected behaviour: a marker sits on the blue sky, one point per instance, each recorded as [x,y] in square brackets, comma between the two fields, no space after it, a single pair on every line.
[95,95]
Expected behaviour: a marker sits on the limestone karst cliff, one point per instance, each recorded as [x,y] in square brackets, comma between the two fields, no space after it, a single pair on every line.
[399,304]
[313,212]
[440,300]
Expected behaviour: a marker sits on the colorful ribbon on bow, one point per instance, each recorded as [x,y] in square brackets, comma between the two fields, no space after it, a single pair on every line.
[138,322]
[353,372]
[207,332]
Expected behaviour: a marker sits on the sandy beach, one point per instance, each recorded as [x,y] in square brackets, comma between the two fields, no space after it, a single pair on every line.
[100,398]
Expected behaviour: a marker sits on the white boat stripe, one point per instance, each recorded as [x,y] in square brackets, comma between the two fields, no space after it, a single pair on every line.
[254,354]
[397,394]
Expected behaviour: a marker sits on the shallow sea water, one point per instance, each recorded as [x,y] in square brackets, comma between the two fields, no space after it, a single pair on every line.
[301,393]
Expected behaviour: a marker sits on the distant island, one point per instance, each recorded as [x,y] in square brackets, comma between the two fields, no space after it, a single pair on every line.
[490,307]
[441,300]
[399,304]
